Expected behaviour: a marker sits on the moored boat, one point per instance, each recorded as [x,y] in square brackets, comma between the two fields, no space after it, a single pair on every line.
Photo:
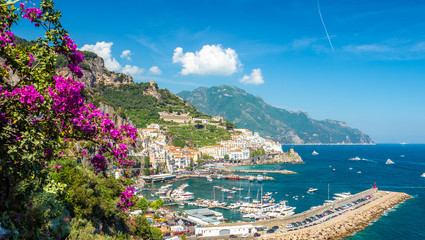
[355,159]
[260,178]
[312,190]
[314,153]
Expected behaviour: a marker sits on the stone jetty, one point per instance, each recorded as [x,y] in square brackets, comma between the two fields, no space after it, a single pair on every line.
[349,222]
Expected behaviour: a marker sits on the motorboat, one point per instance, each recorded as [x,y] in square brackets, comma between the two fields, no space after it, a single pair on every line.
[312,190]
[359,172]
[219,176]
[423,175]
[260,178]
[251,178]
[314,153]
[389,161]
[209,178]
[355,159]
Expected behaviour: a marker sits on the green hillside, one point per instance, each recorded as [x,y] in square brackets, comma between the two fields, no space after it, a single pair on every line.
[249,111]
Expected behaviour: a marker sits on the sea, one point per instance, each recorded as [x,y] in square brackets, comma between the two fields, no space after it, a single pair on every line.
[331,172]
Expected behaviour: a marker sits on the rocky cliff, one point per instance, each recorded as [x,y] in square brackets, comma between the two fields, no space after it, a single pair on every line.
[95,73]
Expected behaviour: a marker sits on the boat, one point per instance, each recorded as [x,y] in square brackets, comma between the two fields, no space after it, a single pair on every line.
[314,153]
[389,161]
[334,170]
[209,178]
[219,176]
[312,190]
[355,159]
[359,172]
[230,196]
[251,178]
[423,175]
[350,168]
[232,177]
[260,178]
[248,195]
[402,156]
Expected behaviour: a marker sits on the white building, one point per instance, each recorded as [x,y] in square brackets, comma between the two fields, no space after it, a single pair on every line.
[228,230]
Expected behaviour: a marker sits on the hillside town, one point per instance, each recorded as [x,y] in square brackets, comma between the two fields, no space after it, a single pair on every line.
[157,146]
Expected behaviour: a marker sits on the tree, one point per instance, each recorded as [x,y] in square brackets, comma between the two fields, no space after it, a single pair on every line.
[226,156]
[190,168]
[230,125]
[42,116]
[142,204]
[157,204]
[147,171]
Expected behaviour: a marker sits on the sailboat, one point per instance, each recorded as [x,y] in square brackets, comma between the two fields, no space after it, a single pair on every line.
[247,196]
[314,153]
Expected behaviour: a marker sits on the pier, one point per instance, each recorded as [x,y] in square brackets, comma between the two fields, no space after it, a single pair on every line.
[240,177]
[284,171]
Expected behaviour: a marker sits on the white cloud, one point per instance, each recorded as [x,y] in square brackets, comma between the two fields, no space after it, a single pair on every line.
[103,49]
[255,78]
[132,70]
[126,54]
[210,60]
[368,48]
[155,70]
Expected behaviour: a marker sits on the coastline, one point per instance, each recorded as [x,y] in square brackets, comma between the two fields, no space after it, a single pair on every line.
[329,144]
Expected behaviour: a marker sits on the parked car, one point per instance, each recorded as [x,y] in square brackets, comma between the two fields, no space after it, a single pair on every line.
[270,231]
[257,234]
[233,236]
[275,228]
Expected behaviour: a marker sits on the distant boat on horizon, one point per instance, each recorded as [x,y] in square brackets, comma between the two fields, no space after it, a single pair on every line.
[314,153]
[389,161]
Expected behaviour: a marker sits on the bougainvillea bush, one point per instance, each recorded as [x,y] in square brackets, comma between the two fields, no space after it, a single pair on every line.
[42,116]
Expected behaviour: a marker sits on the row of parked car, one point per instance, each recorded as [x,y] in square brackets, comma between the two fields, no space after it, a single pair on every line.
[301,224]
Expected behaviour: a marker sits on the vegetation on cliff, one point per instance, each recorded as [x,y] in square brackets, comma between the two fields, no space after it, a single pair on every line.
[249,111]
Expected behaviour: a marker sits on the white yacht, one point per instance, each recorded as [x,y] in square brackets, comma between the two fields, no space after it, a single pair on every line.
[389,161]
[219,176]
[312,190]
[251,178]
[423,175]
[209,178]
[355,159]
[314,153]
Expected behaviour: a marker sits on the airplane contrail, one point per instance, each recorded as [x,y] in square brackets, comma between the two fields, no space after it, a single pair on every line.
[324,26]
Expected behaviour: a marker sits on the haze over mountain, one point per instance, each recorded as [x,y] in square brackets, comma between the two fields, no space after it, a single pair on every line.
[249,111]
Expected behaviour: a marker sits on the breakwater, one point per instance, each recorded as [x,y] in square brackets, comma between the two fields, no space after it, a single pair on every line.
[284,171]
[236,177]
[349,222]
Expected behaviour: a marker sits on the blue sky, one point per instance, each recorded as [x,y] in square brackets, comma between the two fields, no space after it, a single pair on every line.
[373,80]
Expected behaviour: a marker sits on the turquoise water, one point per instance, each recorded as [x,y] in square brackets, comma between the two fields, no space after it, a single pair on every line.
[407,221]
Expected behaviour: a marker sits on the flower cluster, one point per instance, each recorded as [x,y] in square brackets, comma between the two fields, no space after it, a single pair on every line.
[57,167]
[31,14]
[6,37]
[28,96]
[99,163]
[66,96]
[70,49]
[125,200]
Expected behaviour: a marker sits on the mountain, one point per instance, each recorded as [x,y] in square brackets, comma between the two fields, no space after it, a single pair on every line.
[252,112]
